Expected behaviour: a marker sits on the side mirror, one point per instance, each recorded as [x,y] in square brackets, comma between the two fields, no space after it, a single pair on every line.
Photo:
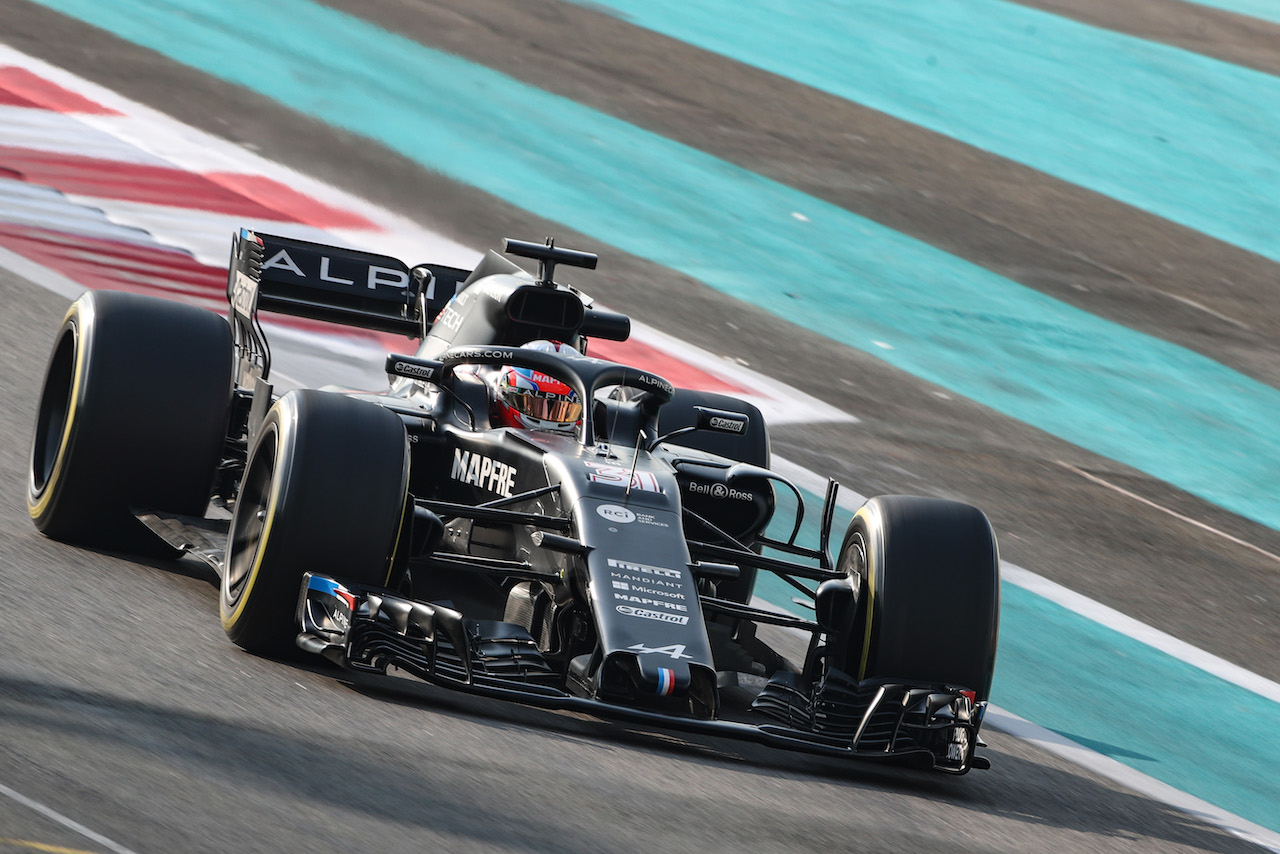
[609,325]
[413,368]
[722,420]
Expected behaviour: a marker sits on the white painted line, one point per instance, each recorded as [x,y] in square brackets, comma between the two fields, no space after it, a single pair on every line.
[1199,307]
[40,274]
[1005,721]
[1129,627]
[64,133]
[1105,766]
[61,819]
[162,137]
[186,147]
[778,402]
[1093,478]
[205,235]
[159,138]
[1072,601]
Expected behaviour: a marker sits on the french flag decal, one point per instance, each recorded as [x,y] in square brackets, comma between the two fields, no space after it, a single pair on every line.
[328,585]
[666,681]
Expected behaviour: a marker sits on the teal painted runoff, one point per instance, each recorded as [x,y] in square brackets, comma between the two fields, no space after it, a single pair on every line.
[1159,408]
[1112,694]
[1265,10]
[1139,706]
[1181,416]
[1188,138]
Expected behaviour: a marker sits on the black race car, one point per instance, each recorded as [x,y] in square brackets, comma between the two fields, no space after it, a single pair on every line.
[607,570]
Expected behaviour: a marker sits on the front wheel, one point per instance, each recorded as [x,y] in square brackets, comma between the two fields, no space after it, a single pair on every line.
[324,491]
[928,609]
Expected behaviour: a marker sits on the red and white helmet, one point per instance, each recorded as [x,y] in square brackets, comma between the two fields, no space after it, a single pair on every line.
[532,400]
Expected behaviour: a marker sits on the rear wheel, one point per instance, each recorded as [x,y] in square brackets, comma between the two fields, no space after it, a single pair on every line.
[133,415]
[928,609]
[324,491]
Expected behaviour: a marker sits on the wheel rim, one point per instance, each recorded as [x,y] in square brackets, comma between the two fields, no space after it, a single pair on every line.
[854,560]
[250,520]
[55,408]
[858,566]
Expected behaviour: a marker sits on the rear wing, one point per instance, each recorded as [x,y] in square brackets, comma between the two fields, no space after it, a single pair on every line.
[320,282]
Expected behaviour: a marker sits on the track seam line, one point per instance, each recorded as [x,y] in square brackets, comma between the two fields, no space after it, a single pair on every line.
[1181,518]
[50,813]
[1028,581]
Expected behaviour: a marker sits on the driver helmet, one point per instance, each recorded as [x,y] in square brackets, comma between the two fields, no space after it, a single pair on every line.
[532,400]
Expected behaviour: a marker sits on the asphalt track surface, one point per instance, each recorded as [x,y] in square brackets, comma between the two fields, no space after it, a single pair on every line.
[124,707]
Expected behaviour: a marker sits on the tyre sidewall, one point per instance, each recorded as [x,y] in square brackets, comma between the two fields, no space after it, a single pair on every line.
[147,396]
[929,592]
[334,506]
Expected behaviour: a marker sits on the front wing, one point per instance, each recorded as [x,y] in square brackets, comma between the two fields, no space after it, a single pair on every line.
[369,629]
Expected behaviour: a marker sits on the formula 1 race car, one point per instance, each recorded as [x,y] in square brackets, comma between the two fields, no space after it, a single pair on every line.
[606,566]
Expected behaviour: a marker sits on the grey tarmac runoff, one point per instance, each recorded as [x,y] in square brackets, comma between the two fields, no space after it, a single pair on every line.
[170,739]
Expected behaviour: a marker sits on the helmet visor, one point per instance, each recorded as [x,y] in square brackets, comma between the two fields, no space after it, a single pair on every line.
[545,405]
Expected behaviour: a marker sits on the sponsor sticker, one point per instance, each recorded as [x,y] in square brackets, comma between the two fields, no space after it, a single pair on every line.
[282,260]
[651,586]
[244,294]
[658,571]
[646,614]
[486,353]
[412,371]
[449,317]
[388,277]
[614,513]
[719,490]
[483,472]
[374,275]
[728,425]
[647,586]
[652,603]
[656,382]
[958,748]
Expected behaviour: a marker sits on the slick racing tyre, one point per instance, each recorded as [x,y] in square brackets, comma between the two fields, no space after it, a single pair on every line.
[324,491]
[133,415]
[929,601]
